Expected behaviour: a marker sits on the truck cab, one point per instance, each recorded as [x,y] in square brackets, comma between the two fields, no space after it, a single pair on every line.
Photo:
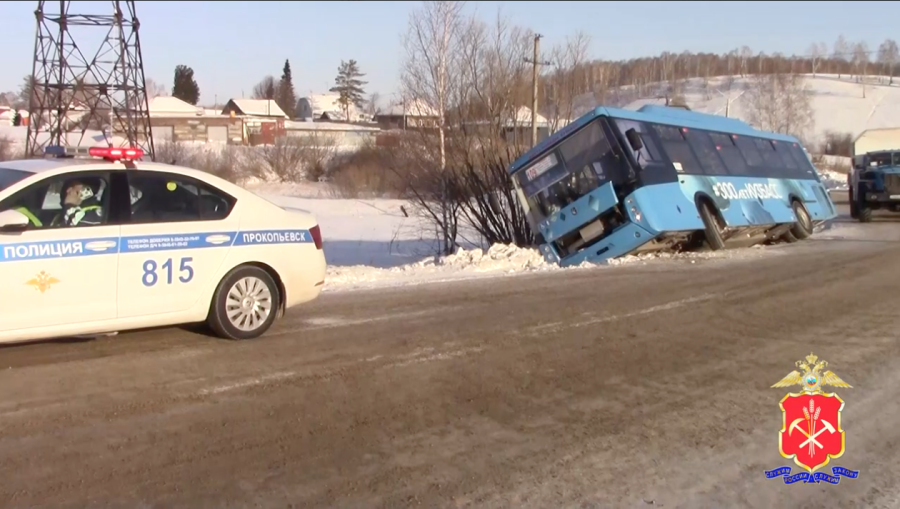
[874,183]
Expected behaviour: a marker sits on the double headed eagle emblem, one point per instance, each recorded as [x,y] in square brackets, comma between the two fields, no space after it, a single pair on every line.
[811,377]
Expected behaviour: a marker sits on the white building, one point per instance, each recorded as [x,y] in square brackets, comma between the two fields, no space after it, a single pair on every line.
[325,107]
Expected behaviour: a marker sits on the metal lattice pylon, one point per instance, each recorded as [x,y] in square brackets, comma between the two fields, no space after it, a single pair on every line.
[79,98]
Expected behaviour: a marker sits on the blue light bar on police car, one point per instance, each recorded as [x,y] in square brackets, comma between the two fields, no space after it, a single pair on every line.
[60,151]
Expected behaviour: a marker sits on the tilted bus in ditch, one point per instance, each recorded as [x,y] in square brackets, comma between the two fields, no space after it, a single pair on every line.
[617,182]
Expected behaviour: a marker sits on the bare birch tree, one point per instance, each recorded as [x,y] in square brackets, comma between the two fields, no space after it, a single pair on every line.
[888,54]
[817,51]
[430,44]
[154,89]
[861,63]
[780,103]
[841,51]
[745,54]
[569,61]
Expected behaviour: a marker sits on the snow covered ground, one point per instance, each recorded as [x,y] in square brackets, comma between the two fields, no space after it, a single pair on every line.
[370,244]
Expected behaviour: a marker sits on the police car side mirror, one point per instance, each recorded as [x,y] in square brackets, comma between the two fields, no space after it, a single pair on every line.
[13,221]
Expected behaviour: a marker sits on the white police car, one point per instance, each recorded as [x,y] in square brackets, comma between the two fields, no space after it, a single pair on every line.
[108,243]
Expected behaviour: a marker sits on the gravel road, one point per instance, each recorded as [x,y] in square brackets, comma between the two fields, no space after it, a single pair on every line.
[632,386]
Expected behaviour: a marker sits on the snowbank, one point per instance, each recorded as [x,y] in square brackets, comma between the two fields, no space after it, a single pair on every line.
[373,243]
[498,261]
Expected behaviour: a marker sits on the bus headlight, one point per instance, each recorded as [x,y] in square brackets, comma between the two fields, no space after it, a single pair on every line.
[637,215]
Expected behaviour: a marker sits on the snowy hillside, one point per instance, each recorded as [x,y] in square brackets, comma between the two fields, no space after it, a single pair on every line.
[838,104]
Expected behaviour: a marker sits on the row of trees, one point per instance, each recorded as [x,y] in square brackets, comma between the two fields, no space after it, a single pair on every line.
[620,82]
[348,84]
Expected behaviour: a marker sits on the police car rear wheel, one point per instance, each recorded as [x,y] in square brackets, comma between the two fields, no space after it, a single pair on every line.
[245,304]
[803,227]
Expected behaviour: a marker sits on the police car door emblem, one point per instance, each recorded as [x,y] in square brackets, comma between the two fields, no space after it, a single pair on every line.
[42,282]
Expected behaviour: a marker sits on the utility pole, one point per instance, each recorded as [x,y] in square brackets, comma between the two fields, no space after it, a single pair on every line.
[534,92]
[109,83]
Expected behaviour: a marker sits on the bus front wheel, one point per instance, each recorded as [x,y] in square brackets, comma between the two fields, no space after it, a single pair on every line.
[711,227]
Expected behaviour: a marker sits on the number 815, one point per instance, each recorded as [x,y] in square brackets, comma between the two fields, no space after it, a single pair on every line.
[150,277]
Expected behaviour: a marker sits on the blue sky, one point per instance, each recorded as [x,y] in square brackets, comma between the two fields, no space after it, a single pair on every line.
[232,45]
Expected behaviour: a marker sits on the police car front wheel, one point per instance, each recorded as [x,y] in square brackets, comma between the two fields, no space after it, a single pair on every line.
[245,304]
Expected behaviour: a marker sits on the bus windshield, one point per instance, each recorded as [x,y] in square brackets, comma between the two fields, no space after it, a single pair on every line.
[576,166]
[9,177]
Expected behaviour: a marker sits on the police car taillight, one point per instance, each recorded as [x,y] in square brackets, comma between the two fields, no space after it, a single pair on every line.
[316,235]
[116,154]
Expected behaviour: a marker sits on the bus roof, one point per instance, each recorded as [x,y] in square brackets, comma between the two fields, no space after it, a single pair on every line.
[655,114]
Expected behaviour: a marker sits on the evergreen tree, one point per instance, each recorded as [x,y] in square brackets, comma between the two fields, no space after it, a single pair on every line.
[287,99]
[349,85]
[185,86]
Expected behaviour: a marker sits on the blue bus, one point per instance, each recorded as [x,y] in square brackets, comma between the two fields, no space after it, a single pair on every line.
[617,182]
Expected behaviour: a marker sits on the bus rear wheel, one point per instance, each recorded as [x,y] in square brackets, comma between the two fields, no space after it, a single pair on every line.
[802,227]
[711,226]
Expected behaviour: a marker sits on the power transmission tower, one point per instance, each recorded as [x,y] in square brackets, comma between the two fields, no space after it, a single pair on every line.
[534,82]
[74,92]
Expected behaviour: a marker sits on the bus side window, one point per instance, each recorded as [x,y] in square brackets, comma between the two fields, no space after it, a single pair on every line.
[748,150]
[678,150]
[773,162]
[806,168]
[730,153]
[648,152]
[792,170]
[706,152]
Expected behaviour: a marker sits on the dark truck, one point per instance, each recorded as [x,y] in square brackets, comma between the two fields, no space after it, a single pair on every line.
[874,183]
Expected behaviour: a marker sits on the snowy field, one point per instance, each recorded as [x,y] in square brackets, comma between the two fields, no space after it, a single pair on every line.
[839,104]
[370,244]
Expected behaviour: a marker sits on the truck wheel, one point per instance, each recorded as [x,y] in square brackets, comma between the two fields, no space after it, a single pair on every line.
[711,227]
[245,304]
[854,211]
[802,227]
[864,213]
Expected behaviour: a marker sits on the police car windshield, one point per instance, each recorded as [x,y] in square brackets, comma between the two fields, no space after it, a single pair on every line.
[9,177]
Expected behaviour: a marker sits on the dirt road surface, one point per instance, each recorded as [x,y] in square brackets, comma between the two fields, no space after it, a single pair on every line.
[634,386]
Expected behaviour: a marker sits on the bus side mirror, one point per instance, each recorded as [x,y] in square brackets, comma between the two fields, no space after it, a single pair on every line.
[634,139]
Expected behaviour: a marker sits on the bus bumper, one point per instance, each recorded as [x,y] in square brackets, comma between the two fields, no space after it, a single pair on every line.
[622,241]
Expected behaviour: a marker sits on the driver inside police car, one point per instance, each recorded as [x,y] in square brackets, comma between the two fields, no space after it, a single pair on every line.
[80,206]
